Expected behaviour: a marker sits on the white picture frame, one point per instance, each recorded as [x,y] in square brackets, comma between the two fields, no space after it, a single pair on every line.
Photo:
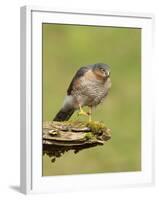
[31,101]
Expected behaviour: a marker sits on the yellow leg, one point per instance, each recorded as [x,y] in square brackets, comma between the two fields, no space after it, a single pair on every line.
[90,114]
[82,112]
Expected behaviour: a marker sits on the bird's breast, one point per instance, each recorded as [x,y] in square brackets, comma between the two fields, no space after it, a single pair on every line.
[92,91]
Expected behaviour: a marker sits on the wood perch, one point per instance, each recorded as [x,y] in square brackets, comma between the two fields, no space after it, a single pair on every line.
[60,137]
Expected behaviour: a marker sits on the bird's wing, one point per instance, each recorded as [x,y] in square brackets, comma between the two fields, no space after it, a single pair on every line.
[76,77]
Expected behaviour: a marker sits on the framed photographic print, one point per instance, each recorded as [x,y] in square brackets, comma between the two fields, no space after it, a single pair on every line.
[86,100]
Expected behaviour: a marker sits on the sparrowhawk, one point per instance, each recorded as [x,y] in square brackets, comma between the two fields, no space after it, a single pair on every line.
[89,87]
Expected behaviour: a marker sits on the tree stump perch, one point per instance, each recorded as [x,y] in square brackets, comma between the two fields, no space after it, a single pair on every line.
[60,137]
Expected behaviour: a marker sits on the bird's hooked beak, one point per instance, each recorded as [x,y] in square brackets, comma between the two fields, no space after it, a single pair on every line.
[107,74]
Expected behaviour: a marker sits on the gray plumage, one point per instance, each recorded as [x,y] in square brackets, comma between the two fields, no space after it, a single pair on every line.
[89,87]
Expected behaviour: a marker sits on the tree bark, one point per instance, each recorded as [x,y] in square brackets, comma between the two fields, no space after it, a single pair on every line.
[60,137]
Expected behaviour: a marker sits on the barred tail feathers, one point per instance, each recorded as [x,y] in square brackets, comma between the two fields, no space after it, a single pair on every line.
[64,115]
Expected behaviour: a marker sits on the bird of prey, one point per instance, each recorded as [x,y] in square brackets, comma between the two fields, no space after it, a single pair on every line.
[89,87]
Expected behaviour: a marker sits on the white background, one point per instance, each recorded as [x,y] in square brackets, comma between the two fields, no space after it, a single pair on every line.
[10,98]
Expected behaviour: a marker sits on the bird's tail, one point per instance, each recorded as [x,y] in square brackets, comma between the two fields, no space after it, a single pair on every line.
[64,115]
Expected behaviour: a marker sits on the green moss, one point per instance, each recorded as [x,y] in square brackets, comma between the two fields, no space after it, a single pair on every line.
[89,136]
[96,127]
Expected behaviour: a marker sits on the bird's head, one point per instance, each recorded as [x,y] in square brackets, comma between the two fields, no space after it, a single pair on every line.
[101,70]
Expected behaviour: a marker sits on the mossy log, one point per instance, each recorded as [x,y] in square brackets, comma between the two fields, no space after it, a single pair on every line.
[60,137]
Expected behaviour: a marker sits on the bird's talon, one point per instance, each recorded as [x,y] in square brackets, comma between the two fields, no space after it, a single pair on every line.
[82,112]
[90,118]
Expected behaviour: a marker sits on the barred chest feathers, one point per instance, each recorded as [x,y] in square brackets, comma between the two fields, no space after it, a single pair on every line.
[92,91]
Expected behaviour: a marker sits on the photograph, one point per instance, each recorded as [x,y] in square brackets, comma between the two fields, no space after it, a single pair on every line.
[91,99]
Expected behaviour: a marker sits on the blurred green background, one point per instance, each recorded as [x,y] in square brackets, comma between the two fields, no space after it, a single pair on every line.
[65,49]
